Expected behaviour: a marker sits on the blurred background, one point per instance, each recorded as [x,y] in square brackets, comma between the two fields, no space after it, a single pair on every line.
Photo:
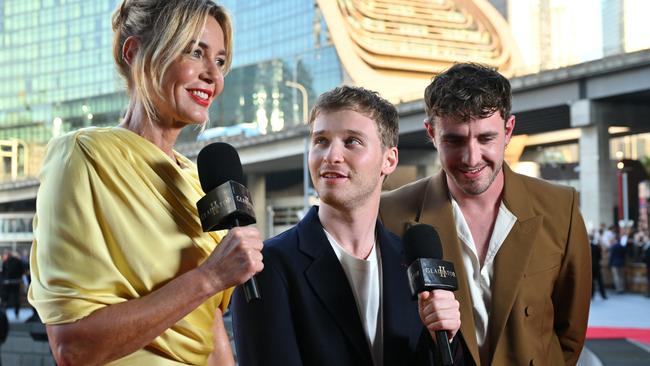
[580,71]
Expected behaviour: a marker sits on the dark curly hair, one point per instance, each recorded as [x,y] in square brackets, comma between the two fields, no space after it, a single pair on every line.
[468,91]
[363,101]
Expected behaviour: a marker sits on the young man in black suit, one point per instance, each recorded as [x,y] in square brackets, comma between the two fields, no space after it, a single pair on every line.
[334,287]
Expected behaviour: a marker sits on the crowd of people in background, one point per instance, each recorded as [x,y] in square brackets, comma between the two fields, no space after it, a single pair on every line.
[616,248]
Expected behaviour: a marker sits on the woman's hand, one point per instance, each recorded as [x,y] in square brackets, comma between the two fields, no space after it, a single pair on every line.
[235,260]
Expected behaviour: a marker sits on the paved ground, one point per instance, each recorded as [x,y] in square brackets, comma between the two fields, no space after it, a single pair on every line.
[624,311]
[618,315]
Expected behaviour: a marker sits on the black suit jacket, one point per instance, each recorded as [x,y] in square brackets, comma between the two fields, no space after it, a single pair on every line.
[308,315]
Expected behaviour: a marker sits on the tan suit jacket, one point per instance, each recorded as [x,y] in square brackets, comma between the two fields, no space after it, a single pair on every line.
[541,284]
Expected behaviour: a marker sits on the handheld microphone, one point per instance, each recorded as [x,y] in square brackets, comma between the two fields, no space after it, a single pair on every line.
[227,202]
[427,271]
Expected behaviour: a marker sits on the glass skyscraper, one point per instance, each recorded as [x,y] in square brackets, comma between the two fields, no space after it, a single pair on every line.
[56,68]
[57,72]
[274,42]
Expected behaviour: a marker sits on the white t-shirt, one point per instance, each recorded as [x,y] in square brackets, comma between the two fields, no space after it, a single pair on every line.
[364,277]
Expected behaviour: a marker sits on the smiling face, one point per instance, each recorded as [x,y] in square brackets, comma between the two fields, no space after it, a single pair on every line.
[192,81]
[347,161]
[471,153]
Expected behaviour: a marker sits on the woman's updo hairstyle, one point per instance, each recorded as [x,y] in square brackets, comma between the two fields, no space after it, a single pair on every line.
[165,29]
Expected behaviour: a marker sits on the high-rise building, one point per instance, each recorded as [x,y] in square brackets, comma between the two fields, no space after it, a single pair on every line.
[555,33]
[636,30]
[625,26]
[275,42]
[56,68]
[57,72]
[612,18]
[558,33]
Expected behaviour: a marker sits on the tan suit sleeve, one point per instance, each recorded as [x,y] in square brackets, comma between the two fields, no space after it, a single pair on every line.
[572,292]
[402,206]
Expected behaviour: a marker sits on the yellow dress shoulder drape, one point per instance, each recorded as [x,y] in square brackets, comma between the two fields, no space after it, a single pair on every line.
[116,218]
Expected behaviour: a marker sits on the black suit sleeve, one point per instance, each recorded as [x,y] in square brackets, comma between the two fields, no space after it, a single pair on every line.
[264,331]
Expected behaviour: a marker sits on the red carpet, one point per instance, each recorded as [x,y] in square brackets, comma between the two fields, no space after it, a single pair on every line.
[637,334]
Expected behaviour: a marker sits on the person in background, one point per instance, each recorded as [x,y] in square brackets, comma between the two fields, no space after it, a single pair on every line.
[122,272]
[639,239]
[646,260]
[596,258]
[334,287]
[27,278]
[626,239]
[12,279]
[4,328]
[519,244]
[608,237]
[617,259]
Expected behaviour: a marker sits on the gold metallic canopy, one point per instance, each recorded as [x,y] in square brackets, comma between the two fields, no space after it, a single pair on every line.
[396,46]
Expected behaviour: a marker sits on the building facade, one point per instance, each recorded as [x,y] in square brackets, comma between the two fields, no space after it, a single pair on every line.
[57,72]
[57,75]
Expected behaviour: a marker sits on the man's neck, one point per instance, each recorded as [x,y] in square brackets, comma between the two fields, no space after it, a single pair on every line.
[480,212]
[353,229]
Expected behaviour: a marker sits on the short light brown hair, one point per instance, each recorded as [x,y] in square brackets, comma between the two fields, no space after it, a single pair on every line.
[363,101]
[164,28]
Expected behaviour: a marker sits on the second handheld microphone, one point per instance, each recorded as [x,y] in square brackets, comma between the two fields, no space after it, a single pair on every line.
[427,271]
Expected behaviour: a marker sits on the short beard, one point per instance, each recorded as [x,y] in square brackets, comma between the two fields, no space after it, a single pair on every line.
[495,173]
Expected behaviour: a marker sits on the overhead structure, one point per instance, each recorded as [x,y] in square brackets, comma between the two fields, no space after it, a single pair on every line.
[396,46]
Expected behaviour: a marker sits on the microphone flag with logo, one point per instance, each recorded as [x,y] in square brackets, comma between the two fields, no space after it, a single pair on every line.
[427,271]
[227,202]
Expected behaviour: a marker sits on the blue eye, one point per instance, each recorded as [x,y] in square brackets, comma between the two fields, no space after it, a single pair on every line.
[353,141]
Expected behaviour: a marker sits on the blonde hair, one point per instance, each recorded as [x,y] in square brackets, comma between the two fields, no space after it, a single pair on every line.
[363,101]
[164,29]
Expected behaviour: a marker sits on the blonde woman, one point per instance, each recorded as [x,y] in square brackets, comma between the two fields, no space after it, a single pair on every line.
[122,272]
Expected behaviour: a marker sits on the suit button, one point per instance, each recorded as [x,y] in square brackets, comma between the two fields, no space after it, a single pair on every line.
[528,310]
[532,362]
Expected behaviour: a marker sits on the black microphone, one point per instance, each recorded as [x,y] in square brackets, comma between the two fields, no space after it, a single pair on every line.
[427,271]
[227,202]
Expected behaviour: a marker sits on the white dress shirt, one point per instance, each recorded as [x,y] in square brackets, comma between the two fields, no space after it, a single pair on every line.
[480,278]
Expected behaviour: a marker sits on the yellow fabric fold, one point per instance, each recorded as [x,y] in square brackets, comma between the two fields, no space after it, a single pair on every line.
[116,218]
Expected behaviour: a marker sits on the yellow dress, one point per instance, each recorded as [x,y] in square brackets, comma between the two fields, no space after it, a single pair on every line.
[115,219]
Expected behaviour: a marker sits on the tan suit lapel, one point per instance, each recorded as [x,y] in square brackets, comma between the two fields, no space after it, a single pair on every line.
[513,256]
[436,211]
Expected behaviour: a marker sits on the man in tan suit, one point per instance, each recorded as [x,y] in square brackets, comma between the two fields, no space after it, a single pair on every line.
[519,244]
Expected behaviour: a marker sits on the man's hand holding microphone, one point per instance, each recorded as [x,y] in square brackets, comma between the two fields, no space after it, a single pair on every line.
[432,280]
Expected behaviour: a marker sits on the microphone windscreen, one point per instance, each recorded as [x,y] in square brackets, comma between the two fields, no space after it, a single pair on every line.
[421,241]
[218,163]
